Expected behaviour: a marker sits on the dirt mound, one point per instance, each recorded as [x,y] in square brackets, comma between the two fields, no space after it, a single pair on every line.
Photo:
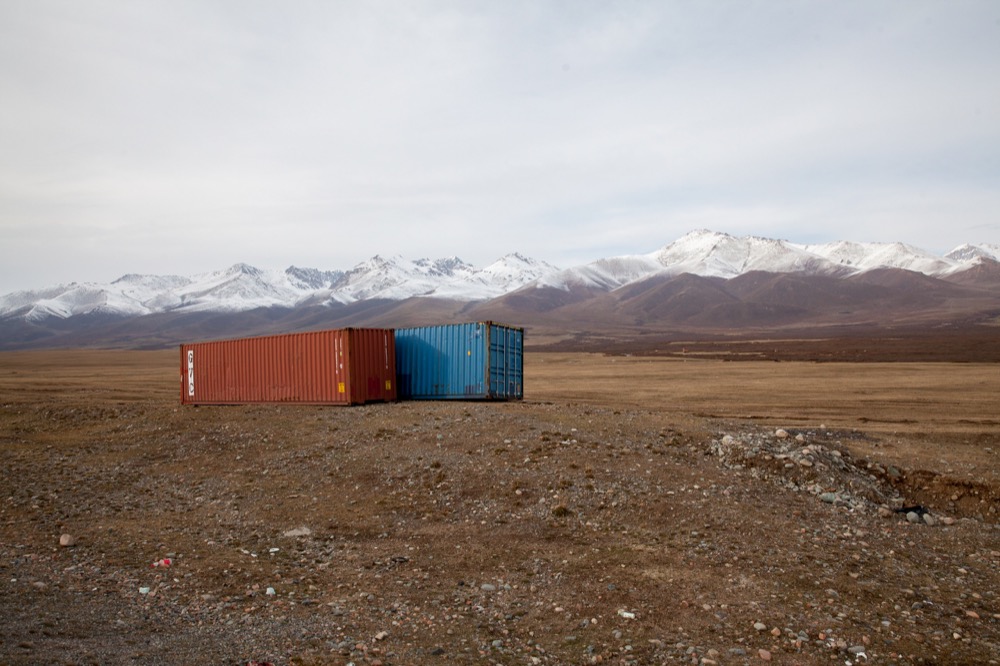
[815,462]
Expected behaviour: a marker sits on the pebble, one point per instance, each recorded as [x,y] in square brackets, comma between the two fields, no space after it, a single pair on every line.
[298,532]
[760,626]
[487,587]
[765,655]
[913,517]
[781,433]
[930,520]
[67,540]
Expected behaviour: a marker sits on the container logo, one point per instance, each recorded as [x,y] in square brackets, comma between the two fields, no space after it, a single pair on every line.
[191,373]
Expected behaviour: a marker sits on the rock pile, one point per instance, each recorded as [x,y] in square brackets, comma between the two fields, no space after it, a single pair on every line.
[811,461]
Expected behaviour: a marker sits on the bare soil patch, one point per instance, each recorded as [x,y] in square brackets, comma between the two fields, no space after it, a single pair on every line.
[631,510]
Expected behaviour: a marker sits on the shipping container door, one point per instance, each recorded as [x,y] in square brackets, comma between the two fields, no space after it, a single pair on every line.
[506,362]
[373,365]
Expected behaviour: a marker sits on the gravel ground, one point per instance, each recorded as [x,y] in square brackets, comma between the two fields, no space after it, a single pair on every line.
[138,532]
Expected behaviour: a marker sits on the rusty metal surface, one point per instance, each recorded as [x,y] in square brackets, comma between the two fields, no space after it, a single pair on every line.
[336,367]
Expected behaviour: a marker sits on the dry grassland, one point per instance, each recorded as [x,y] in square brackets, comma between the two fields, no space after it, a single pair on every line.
[943,415]
[630,510]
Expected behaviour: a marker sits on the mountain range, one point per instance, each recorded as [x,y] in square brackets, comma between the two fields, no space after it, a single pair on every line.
[704,280]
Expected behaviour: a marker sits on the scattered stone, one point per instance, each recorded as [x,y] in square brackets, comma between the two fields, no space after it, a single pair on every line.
[760,626]
[930,520]
[488,587]
[298,532]
[913,517]
[781,433]
[67,540]
[765,655]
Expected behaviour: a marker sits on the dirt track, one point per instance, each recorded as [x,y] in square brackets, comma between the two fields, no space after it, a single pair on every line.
[630,510]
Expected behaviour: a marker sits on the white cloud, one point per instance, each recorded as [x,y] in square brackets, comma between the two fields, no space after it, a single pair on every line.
[180,137]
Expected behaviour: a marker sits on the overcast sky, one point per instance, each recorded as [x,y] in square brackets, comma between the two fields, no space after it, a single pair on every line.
[180,137]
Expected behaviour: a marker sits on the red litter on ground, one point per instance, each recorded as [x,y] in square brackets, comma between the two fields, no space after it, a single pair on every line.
[165,562]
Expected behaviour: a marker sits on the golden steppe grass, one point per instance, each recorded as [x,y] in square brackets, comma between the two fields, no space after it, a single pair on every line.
[928,414]
[922,398]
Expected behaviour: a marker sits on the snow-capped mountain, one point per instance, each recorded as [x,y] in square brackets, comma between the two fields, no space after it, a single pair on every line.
[714,254]
[964,254]
[860,257]
[241,287]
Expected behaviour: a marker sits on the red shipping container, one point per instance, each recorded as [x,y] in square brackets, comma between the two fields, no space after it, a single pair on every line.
[337,367]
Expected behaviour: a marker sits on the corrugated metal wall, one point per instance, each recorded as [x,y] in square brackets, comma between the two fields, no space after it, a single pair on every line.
[481,360]
[340,367]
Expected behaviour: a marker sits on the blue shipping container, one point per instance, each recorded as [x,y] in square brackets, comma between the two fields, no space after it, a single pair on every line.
[477,361]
